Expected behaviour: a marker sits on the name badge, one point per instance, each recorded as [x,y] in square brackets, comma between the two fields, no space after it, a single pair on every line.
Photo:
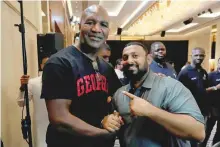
[193,78]
[217,80]
[204,77]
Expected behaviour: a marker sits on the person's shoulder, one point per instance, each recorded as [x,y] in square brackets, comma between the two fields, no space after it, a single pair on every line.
[64,56]
[119,91]
[153,63]
[211,74]
[185,70]
[172,84]
[169,82]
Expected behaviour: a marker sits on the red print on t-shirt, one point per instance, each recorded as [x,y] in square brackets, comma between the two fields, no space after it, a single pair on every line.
[90,83]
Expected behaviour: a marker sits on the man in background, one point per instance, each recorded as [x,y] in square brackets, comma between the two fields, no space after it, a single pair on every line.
[40,116]
[119,72]
[159,64]
[214,102]
[105,52]
[195,78]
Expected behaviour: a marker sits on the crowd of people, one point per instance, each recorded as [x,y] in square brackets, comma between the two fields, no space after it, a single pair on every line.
[87,103]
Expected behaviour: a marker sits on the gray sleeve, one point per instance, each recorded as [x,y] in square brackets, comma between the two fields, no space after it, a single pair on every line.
[181,101]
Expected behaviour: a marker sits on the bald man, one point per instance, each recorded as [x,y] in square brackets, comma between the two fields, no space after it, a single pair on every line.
[159,64]
[195,78]
[76,84]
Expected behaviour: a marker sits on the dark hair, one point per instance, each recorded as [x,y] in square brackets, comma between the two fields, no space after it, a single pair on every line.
[152,47]
[198,48]
[171,62]
[118,61]
[139,44]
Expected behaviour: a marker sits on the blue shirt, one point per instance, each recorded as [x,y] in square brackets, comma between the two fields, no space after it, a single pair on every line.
[165,69]
[214,79]
[196,80]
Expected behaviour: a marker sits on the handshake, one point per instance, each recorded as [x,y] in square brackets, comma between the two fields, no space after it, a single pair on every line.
[112,122]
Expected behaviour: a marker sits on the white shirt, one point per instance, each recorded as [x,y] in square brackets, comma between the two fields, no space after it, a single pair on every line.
[40,116]
[119,73]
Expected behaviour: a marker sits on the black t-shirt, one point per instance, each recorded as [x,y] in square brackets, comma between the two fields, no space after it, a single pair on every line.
[214,79]
[197,82]
[69,74]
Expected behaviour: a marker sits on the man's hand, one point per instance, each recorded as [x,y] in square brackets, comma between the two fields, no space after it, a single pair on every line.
[218,86]
[112,122]
[24,79]
[138,106]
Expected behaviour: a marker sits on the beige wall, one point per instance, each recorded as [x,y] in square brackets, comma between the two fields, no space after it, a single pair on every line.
[217,51]
[200,38]
[12,65]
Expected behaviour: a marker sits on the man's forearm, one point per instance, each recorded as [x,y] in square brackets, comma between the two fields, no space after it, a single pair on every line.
[178,124]
[73,125]
[210,89]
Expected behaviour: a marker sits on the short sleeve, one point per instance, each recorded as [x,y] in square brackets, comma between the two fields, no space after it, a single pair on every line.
[180,100]
[57,82]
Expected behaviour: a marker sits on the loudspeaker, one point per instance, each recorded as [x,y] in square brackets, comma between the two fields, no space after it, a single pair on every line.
[48,44]
[213,50]
[119,31]
[163,33]
[188,21]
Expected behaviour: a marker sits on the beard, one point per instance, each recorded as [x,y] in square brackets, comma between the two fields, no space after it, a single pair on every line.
[133,75]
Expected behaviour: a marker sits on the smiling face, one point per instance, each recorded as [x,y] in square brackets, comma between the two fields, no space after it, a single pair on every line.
[94,26]
[134,61]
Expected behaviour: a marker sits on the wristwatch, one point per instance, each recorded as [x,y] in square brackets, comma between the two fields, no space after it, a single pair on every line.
[215,88]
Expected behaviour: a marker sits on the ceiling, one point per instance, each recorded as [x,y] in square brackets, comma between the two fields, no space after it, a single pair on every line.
[204,18]
[133,17]
[119,11]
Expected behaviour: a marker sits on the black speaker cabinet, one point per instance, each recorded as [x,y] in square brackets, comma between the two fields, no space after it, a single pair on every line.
[119,31]
[163,33]
[48,44]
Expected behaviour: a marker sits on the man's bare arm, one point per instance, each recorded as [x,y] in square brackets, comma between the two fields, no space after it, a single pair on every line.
[59,115]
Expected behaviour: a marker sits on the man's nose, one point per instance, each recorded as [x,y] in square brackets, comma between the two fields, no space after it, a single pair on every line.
[96,28]
[130,60]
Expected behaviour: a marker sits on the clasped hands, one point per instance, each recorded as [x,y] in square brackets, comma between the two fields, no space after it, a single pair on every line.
[138,107]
